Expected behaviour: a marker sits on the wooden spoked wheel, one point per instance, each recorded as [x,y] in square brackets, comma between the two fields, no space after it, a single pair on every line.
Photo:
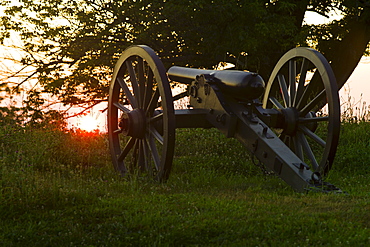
[303,87]
[141,120]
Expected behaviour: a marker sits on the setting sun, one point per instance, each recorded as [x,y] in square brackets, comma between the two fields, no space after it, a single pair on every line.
[88,123]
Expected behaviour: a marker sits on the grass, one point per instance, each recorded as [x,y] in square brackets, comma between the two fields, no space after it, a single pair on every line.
[59,189]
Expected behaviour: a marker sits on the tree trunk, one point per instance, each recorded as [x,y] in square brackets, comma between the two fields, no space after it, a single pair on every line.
[345,55]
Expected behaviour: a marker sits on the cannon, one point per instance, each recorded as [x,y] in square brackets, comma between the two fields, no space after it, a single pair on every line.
[291,124]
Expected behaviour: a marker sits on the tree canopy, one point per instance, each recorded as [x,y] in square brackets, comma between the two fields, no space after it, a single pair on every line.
[72,45]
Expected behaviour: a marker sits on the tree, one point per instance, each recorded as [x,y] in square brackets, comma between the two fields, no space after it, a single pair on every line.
[344,42]
[73,45]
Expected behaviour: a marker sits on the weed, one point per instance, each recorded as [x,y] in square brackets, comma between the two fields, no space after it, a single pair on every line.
[353,110]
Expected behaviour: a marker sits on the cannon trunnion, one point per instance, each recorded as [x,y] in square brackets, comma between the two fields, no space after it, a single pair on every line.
[287,131]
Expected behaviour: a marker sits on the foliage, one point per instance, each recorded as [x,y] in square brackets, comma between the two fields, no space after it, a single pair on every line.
[32,115]
[73,45]
[60,190]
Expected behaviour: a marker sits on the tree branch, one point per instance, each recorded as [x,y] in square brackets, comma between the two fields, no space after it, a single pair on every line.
[96,102]
[318,12]
[21,83]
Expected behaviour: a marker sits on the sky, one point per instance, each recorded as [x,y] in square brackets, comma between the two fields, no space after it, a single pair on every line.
[358,85]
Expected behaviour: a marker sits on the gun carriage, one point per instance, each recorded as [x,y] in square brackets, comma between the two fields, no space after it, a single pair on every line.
[293,130]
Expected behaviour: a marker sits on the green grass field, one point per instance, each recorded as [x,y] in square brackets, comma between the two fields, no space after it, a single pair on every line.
[59,189]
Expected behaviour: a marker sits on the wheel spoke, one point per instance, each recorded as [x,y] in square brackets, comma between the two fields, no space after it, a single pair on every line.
[153,103]
[148,88]
[156,134]
[121,107]
[283,137]
[302,81]
[156,117]
[127,92]
[142,86]
[126,149]
[308,151]
[142,161]
[310,106]
[147,158]
[135,153]
[292,81]
[313,119]
[276,103]
[313,88]
[287,141]
[284,90]
[134,82]
[312,135]
[153,150]
[298,147]
[117,131]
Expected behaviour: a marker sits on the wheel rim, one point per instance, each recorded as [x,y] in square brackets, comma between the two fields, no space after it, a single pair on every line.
[303,87]
[141,120]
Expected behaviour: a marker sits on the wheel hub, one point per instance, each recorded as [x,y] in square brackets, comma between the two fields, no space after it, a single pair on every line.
[133,123]
[291,115]
[291,121]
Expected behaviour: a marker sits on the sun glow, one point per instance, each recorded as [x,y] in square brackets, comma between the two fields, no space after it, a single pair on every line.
[88,123]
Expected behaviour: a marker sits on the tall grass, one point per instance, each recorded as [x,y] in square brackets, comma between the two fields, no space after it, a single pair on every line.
[58,188]
[354,110]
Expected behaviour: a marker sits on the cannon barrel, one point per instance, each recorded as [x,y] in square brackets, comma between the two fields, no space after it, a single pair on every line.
[239,84]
